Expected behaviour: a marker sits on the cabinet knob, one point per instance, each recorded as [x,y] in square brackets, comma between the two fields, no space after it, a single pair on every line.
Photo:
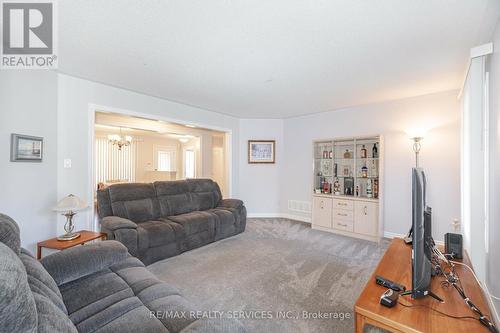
[365,210]
[322,204]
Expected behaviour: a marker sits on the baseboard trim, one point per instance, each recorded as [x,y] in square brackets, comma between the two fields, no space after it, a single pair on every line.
[280,215]
[491,304]
[392,235]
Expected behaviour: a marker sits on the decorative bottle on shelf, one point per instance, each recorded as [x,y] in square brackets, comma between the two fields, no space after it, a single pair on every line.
[326,187]
[357,190]
[363,152]
[347,154]
[336,187]
[369,189]
[364,171]
[375,150]
[375,188]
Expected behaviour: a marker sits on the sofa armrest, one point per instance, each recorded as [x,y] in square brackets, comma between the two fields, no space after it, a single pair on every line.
[80,261]
[231,203]
[113,223]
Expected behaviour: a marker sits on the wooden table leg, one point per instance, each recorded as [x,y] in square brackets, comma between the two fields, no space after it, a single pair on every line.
[359,323]
[38,252]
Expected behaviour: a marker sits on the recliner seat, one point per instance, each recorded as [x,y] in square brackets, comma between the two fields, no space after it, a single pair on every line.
[163,219]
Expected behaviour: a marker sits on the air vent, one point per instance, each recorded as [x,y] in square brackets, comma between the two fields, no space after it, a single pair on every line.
[299,206]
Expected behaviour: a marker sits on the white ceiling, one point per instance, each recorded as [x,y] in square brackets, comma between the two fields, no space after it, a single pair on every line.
[273,58]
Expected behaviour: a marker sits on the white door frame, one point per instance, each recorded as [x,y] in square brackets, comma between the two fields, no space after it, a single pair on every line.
[93,108]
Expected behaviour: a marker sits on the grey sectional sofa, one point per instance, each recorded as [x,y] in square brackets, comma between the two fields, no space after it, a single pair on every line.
[92,288]
[163,219]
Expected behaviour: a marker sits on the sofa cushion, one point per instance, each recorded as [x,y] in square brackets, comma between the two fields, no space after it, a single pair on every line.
[136,202]
[17,305]
[184,196]
[158,233]
[227,223]
[195,222]
[50,317]
[40,280]
[9,233]
[205,193]
[174,197]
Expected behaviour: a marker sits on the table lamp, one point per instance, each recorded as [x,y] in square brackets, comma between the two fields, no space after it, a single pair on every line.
[70,205]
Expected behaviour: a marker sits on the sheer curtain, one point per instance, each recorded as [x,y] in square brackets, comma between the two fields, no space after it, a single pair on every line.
[112,164]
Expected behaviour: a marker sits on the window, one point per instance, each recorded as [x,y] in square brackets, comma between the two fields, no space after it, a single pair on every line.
[189,163]
[166,161]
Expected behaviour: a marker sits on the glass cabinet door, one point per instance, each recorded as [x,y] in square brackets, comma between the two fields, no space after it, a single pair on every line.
[323,167]
[367,168]
[344,166]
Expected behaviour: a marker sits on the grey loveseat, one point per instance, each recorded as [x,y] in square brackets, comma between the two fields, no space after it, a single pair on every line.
[163,219]
[91,288]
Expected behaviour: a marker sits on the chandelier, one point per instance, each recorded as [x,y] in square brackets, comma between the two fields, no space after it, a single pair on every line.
[120,140]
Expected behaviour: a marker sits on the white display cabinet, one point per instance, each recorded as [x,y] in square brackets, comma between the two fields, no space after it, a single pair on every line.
[347,183]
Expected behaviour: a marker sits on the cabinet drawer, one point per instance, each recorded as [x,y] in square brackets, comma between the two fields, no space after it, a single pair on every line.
[343,225]
[342,204]
[342,214]
[322,212]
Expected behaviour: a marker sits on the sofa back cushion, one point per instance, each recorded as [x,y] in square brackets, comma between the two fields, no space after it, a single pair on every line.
[185,196]
[135,201]
[17,305]
[9,233]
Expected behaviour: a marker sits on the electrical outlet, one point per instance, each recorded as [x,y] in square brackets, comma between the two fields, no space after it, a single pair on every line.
[456,225]
[67,163]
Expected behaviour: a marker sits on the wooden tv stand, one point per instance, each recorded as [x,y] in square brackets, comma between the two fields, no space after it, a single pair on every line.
[396,266]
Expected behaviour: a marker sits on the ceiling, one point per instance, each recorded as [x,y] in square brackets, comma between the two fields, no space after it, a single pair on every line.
[273,58]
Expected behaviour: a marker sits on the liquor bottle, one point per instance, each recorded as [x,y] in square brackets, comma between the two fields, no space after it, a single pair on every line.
[369,189]
[331,154]
[326,187]
[364,171]
[375,151]
[363,152]
[357,190]
[347,154]
[375,188]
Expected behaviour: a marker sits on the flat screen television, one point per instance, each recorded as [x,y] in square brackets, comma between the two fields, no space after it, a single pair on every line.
[421,237]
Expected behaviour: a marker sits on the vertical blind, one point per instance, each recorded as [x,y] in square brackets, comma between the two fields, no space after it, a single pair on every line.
[112,164]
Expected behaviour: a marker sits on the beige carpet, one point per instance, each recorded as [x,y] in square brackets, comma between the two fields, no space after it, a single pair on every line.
[277,267]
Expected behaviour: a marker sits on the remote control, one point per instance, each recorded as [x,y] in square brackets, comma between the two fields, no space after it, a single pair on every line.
[389,284]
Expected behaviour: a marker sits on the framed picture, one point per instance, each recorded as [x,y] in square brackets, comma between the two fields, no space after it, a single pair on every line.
[25,148]
[261,151]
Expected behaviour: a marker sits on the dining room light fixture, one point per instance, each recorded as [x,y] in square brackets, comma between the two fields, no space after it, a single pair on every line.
[120,140]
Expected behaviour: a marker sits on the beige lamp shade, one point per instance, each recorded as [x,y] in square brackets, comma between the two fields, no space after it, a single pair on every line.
[70,203]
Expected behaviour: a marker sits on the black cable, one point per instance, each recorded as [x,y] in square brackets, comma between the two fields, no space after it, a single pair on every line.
[443,313]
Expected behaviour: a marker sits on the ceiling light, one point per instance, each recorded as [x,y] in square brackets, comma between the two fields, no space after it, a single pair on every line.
[183,140]
[190,126]
[119,140]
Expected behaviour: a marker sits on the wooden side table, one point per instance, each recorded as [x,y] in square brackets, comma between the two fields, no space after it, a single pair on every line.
[54,243]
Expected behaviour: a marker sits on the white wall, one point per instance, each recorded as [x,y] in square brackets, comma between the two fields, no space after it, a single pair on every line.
[28,105]
[492,260]
[74,120]
[260,184]
[440,156]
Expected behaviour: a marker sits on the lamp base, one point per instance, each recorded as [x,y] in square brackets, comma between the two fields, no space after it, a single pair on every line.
[69,236]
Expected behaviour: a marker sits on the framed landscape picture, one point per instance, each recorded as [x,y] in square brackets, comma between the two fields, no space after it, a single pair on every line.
[261,151]
[25,148]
